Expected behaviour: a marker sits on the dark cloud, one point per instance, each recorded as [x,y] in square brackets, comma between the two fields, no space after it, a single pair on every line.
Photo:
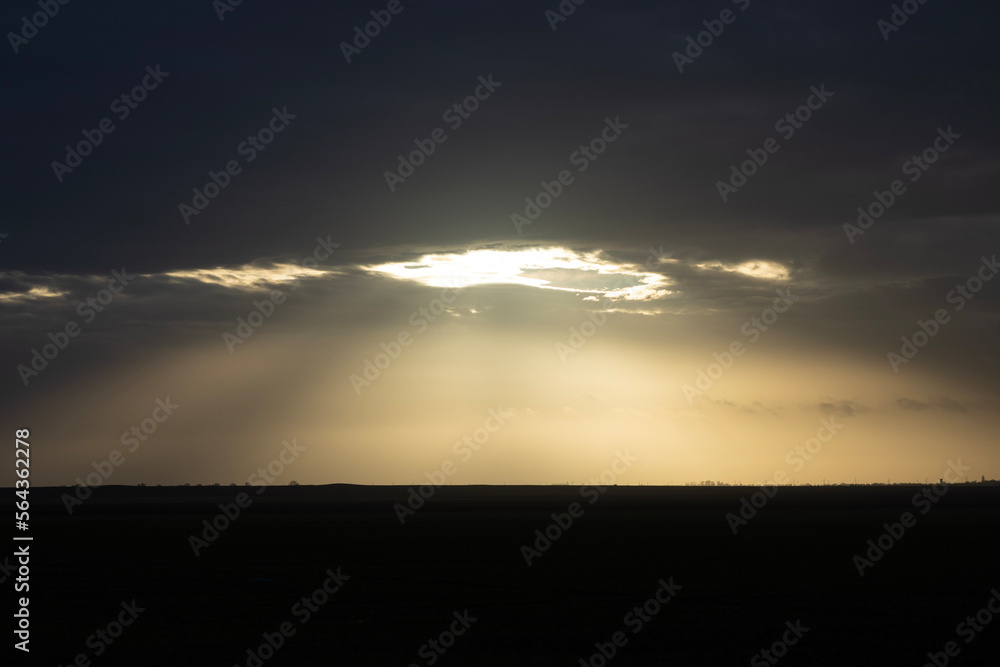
[844,407]
[945,403]
[654,188]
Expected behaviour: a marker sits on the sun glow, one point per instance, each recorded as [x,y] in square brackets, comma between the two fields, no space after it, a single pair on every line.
[546,268]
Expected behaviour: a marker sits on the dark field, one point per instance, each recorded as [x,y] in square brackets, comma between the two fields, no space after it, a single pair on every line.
[462,551]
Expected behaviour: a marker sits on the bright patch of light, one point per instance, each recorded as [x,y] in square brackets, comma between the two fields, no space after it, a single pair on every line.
[760,269]
[545,268]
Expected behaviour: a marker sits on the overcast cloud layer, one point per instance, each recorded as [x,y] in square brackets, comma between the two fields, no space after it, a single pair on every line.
[638,244]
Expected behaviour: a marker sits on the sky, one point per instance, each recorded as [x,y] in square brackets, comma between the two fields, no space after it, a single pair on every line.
[494,243]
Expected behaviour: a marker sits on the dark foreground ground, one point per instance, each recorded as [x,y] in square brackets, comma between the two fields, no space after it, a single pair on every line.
[462,552]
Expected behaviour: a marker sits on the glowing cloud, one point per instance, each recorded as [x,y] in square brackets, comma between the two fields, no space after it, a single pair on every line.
[36,292]
[545,268]
[759,269]
[248,276]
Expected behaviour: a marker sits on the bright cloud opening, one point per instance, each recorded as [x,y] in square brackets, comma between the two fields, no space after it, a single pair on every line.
[545,268]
